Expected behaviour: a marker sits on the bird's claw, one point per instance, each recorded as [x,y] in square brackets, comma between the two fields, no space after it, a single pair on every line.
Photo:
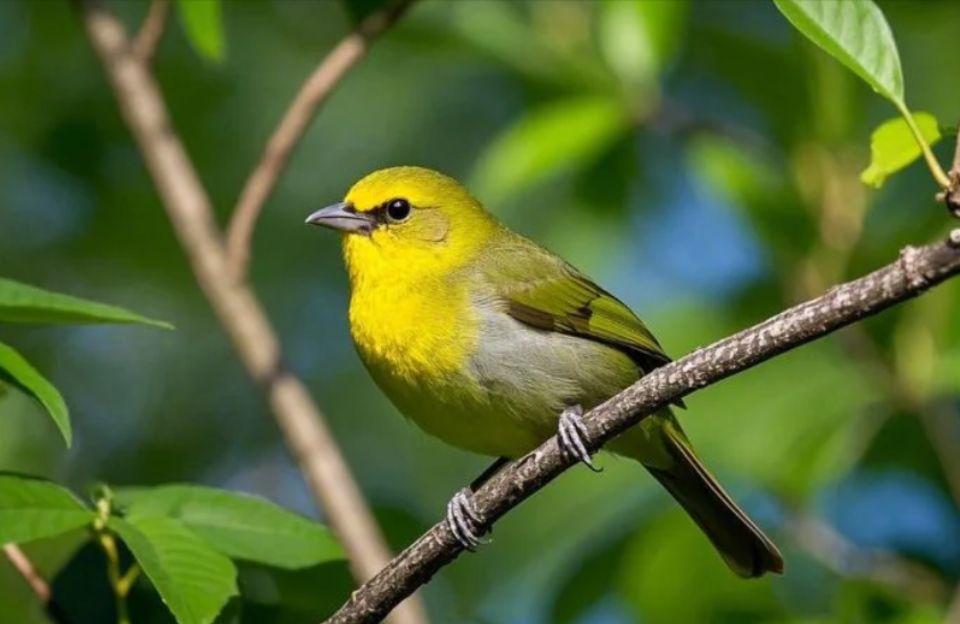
[571,432]
[463,521]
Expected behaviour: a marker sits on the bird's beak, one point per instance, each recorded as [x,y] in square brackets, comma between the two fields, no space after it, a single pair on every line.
[343,217]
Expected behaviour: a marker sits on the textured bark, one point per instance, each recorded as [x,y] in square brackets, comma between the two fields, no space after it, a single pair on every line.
[915,271]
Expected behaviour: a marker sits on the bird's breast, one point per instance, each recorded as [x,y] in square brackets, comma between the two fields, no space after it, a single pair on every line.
[414,332]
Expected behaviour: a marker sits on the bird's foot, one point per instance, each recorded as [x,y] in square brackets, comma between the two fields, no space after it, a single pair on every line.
[463,521]
[571,432]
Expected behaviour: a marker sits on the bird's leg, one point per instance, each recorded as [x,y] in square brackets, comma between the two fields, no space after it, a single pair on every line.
[570,434]
[462,518]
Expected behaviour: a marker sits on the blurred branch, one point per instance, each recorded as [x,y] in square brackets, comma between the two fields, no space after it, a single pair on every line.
[952,194]
[294,124]
[25,568]
[915,271]
[190,211]
[953,611]
[22,564]
[672,117]
[151,32]
[840,555]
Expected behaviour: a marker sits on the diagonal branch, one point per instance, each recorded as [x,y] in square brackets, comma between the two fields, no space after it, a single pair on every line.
[191,213]
[847,559]
[294,124]
[154,25]
[915,271]
[25,568]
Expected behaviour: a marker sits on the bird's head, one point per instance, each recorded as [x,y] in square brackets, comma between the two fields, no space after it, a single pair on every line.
[407,219]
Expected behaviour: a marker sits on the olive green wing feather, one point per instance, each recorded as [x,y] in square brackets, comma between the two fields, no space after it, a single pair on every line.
[541,290]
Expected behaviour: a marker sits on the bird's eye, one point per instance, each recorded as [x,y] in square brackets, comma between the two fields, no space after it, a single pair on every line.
[398,210]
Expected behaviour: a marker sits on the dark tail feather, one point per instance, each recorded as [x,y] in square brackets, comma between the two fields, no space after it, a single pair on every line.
[739,541]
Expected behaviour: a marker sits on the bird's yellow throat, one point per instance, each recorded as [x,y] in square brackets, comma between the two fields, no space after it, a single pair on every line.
[404,277]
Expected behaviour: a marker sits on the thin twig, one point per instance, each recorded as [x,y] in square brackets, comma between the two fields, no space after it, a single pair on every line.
[25,568]
[190,211]
[837,553]
[151,32]
[294,124]
[952,194]
[915,271]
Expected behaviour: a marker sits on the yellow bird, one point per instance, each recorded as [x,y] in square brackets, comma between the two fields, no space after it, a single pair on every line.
[493,344]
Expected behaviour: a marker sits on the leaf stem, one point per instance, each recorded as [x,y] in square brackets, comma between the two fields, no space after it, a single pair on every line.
[120,582]
[935,169]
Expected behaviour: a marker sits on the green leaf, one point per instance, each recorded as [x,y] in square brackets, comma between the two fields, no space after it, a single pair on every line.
[22,303]
[546,142]
[855,33]
[638,37]
[193,579]
[32,508]
[893,146]
[203,22]
[238,525]
[16,371]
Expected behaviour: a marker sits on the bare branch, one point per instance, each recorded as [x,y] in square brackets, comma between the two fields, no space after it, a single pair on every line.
[952,194]
[915,271]
[23,565]
[884,567]
[151,32]
[189,208]
[294,124]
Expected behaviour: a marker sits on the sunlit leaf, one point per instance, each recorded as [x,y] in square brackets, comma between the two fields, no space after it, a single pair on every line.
[546,142]
[18,372]
[33,508]
[893,146]
[193,579]
[22,303]
[637,37]
[203,23]
[502,31]
[238,525]
[855,33]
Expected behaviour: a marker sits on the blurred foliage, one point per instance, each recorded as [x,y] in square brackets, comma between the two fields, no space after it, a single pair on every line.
[701,159]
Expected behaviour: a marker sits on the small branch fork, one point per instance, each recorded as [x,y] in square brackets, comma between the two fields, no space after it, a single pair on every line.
[191,213]
[951,195]
[915,271]
[285,138]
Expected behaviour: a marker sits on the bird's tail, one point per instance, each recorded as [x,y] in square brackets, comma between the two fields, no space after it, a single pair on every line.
[739,541]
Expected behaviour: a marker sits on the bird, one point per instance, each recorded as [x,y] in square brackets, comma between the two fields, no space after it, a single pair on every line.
[493,344]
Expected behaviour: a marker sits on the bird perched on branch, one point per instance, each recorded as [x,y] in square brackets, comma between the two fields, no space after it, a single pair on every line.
[493,344]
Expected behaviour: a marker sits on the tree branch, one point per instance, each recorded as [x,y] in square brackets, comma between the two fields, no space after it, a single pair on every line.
[915,271]
[845,558]
[148,38]
[25,568]
[294,124]
[952,194]
[189,208]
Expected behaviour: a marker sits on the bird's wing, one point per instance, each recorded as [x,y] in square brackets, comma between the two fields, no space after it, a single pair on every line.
[543,291]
